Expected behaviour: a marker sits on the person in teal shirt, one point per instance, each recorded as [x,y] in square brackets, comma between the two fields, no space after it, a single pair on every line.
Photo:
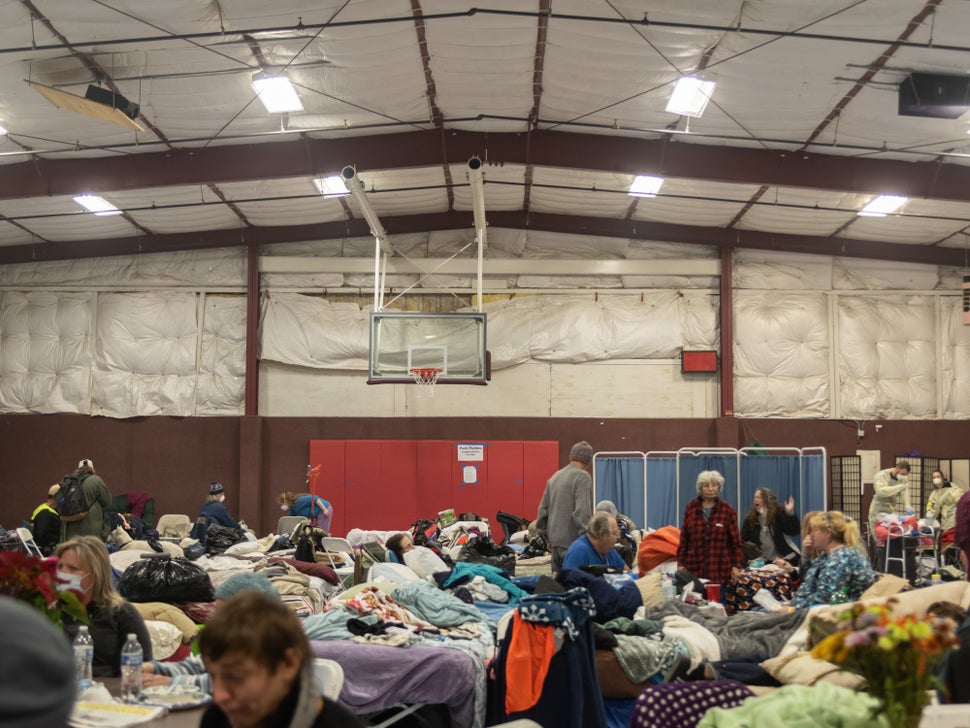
[318,510]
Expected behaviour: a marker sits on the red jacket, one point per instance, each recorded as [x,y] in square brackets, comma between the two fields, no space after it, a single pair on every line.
[709,549]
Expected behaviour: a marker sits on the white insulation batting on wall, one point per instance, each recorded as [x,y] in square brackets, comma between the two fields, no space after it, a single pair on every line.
[887,357]
[313,332]
[121,354]
[781,354]
[45,351]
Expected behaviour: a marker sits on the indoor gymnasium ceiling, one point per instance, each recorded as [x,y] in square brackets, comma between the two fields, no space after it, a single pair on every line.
[563,100]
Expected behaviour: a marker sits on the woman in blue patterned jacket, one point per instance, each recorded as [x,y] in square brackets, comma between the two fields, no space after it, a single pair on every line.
[841,571]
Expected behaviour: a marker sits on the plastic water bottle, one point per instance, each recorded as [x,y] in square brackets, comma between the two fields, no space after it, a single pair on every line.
[131,659]
[83,657]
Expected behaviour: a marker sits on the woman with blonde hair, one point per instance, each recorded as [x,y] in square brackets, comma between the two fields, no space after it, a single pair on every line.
[83,565]
[841,571]
[318,510]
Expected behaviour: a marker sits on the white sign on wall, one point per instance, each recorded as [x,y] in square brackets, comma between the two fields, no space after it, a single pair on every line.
[470,452]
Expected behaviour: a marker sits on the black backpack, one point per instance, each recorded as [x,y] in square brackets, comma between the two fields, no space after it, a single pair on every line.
[71,503]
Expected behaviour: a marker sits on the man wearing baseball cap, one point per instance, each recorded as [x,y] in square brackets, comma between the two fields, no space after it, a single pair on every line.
[567,503]
[46,523]
[97,498]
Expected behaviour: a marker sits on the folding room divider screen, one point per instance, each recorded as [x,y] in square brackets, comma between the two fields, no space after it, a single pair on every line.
[653,487]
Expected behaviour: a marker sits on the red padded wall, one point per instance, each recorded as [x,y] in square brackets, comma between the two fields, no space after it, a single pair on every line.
[389,484]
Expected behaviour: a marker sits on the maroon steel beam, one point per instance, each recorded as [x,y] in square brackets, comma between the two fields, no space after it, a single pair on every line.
[726,315]
[252,330]
[313,157]
[521,220]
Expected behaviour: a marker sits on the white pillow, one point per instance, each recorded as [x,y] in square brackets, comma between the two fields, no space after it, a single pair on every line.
[424,561]
[397,573]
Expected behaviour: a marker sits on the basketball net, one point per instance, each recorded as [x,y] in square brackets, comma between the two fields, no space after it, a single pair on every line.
[425,378]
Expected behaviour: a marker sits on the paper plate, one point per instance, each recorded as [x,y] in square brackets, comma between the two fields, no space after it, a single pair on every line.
[175,697]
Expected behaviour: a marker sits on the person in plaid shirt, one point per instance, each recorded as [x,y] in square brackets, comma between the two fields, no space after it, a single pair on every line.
[710,542]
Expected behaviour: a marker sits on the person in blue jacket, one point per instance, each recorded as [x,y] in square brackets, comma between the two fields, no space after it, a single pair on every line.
[595,547]
[318,510]
[214,509]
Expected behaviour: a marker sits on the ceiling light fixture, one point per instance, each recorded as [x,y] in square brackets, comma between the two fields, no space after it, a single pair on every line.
[883,205]
[333,186]
[277,93]
[645,186]
[97,205]
[690,96]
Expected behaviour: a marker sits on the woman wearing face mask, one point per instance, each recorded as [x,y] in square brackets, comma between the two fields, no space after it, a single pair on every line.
[214,509]
[318,510]
[943,505]
[83,565]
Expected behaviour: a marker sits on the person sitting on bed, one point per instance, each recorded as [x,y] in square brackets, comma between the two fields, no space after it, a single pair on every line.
[190,672]
[766,525]
[595,547]
[261,667]
[841,571]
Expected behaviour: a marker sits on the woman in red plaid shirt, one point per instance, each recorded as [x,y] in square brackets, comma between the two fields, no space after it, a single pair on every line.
[710,542]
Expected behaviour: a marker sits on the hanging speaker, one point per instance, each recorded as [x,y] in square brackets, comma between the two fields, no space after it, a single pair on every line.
[110,98]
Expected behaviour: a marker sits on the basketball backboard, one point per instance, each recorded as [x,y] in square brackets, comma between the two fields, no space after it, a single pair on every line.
[453,343]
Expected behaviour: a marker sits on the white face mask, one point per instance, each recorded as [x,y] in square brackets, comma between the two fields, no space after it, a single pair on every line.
[902,478]
[67,581]
[937,481]
[284,507]
[221,497]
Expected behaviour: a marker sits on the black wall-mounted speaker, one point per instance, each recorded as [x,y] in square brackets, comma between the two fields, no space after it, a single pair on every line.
[934,95]
[110,98]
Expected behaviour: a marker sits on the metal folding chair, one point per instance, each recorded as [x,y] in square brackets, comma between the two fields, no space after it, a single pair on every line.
[332,545]
[27,539]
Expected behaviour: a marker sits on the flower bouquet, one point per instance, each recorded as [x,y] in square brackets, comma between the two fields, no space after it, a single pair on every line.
[33,580]
[897,657]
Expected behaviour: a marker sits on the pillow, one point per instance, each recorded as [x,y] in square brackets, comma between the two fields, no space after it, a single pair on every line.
[885,586]
[424,561]
[166,638]
[800,668]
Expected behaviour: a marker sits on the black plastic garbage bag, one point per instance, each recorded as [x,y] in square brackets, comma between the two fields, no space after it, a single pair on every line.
[219,538]
[164,579]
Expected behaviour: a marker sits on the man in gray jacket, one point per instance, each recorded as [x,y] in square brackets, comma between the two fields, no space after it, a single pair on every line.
[567,503]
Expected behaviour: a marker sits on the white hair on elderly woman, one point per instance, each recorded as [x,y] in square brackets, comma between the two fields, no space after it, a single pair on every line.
[709,476]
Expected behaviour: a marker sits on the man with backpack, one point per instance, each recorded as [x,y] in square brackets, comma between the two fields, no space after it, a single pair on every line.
[82,501]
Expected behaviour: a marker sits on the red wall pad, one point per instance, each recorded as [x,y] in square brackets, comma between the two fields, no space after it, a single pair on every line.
[388,484]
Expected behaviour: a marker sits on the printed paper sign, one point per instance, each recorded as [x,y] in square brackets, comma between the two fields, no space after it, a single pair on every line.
[469,475]
[468,452]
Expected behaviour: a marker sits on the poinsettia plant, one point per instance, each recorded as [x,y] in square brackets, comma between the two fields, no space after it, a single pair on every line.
[33,580]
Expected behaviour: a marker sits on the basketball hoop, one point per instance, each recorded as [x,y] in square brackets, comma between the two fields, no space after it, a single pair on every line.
[425,378]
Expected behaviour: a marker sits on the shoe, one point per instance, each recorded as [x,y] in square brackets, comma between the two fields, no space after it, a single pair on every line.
[678,670]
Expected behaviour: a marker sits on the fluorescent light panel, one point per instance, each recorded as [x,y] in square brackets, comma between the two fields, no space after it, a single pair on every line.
[883,205]
[333,186]
[97,205]
[690,97]
[645,186]
[277,94]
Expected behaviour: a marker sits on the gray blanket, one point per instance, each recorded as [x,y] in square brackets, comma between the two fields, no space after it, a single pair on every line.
[746,634]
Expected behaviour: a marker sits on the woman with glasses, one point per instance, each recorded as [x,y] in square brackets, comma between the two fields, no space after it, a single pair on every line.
[841,571]
[710,542]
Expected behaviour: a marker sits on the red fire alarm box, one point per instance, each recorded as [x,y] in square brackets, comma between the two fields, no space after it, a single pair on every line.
[698,361]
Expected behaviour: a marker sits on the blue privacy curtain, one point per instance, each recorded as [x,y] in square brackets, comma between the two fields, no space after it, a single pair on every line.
[620,479]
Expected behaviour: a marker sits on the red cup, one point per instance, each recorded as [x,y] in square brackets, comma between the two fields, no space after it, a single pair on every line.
[713,592]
